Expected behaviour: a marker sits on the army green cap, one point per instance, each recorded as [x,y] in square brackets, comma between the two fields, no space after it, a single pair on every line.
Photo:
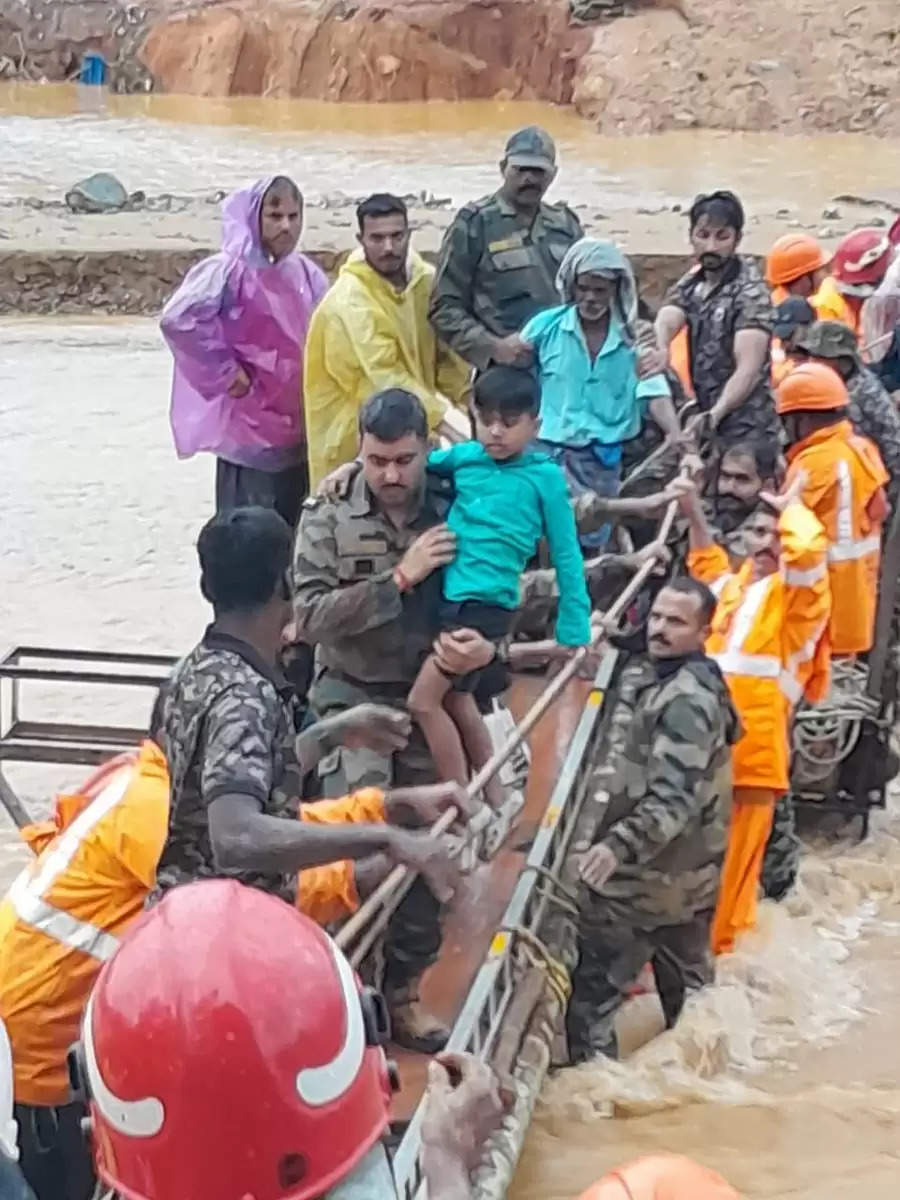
[531,147]
[829,339]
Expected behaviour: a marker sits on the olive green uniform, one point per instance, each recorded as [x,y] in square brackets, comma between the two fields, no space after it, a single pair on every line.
[495,272]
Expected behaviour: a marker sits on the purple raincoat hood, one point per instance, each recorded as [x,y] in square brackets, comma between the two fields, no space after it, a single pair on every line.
[241,237]
[237,310]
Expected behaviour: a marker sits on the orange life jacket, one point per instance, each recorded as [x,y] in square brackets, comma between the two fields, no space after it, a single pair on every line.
[845,480]
[328,893]
[768,638]
[680,360]
[64,915]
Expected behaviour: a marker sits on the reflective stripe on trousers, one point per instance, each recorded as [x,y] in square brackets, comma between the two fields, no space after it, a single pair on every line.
[27,892]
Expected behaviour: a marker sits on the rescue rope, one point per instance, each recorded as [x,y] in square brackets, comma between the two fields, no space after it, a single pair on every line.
[825,735]
[536,951]
[554,890]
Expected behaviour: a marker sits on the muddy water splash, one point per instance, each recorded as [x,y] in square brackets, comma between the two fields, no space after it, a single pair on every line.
[783,1076]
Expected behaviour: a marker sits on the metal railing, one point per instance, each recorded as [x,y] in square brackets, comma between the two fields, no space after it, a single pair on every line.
[478,1025]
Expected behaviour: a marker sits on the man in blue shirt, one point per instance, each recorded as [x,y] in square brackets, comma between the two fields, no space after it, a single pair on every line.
[586,359]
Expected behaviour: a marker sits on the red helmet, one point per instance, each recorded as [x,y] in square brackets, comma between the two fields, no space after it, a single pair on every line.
[861,261]
[230,1055]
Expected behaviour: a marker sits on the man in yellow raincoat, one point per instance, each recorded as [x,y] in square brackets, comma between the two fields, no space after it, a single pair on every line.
[769,638]
[371,332]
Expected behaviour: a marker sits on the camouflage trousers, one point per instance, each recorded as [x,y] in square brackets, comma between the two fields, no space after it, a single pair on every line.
[413,940]
[782,858]
[613,950]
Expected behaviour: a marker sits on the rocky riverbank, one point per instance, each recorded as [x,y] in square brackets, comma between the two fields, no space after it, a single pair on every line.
[663,64]
[56,261]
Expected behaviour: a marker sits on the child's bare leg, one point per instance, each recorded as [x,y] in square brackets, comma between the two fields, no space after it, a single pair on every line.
[426,704]
[476,739]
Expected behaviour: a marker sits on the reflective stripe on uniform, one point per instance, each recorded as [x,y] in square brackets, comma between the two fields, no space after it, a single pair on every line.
[27,893]
[845,547]
[719,585]
[760,666]
[854,549]
[795,577]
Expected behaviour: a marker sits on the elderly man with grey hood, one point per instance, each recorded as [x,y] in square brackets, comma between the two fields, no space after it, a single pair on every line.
[585,354]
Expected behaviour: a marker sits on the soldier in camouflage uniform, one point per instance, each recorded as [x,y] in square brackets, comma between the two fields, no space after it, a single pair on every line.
[725,304]
[871,409]
[651,878]
[227,722]
[499,258]
[366,592]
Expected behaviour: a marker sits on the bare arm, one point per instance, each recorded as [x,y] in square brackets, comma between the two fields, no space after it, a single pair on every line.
[670,321]
[750,348]
[662,410]
[691,506]
[245,839]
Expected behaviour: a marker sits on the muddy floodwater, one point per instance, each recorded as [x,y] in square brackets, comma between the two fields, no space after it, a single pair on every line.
[785,1076]
[189,145]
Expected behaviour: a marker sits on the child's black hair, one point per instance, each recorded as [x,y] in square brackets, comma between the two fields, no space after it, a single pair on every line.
[509,391]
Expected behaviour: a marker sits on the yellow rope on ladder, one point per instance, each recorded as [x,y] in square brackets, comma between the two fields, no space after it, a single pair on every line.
[538,955]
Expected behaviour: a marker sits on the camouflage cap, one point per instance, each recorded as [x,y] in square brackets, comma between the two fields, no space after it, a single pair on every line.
[829,339]
[531,147]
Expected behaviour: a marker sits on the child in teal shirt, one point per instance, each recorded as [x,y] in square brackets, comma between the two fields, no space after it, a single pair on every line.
[508,497]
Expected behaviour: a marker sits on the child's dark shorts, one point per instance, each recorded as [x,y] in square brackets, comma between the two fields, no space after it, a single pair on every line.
[491,621]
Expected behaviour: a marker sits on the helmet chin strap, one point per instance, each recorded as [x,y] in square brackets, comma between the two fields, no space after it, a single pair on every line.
[373,1179]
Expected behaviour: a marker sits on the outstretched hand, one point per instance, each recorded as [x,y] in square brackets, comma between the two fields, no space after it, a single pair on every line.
[792,494]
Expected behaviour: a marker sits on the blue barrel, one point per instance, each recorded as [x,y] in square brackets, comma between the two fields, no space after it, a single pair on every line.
[93,70]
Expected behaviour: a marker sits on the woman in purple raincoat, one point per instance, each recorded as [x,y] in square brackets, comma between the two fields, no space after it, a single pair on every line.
[237,328]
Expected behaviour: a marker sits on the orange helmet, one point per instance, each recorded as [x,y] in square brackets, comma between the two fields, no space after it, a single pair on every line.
[792,257]
[661,1177]
[811,387]
[861,261]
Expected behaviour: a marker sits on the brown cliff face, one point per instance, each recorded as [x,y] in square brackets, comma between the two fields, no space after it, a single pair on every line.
[420,50]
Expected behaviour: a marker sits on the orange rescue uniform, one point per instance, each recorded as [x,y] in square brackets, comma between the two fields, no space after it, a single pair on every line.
[768,638]
[64,915]
[845,480]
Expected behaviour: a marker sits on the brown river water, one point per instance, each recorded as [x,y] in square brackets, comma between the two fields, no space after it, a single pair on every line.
[54,135]
[785,1076]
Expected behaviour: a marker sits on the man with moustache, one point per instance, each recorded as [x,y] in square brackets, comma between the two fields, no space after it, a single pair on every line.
[768,638]
[651,878]
[499,258]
